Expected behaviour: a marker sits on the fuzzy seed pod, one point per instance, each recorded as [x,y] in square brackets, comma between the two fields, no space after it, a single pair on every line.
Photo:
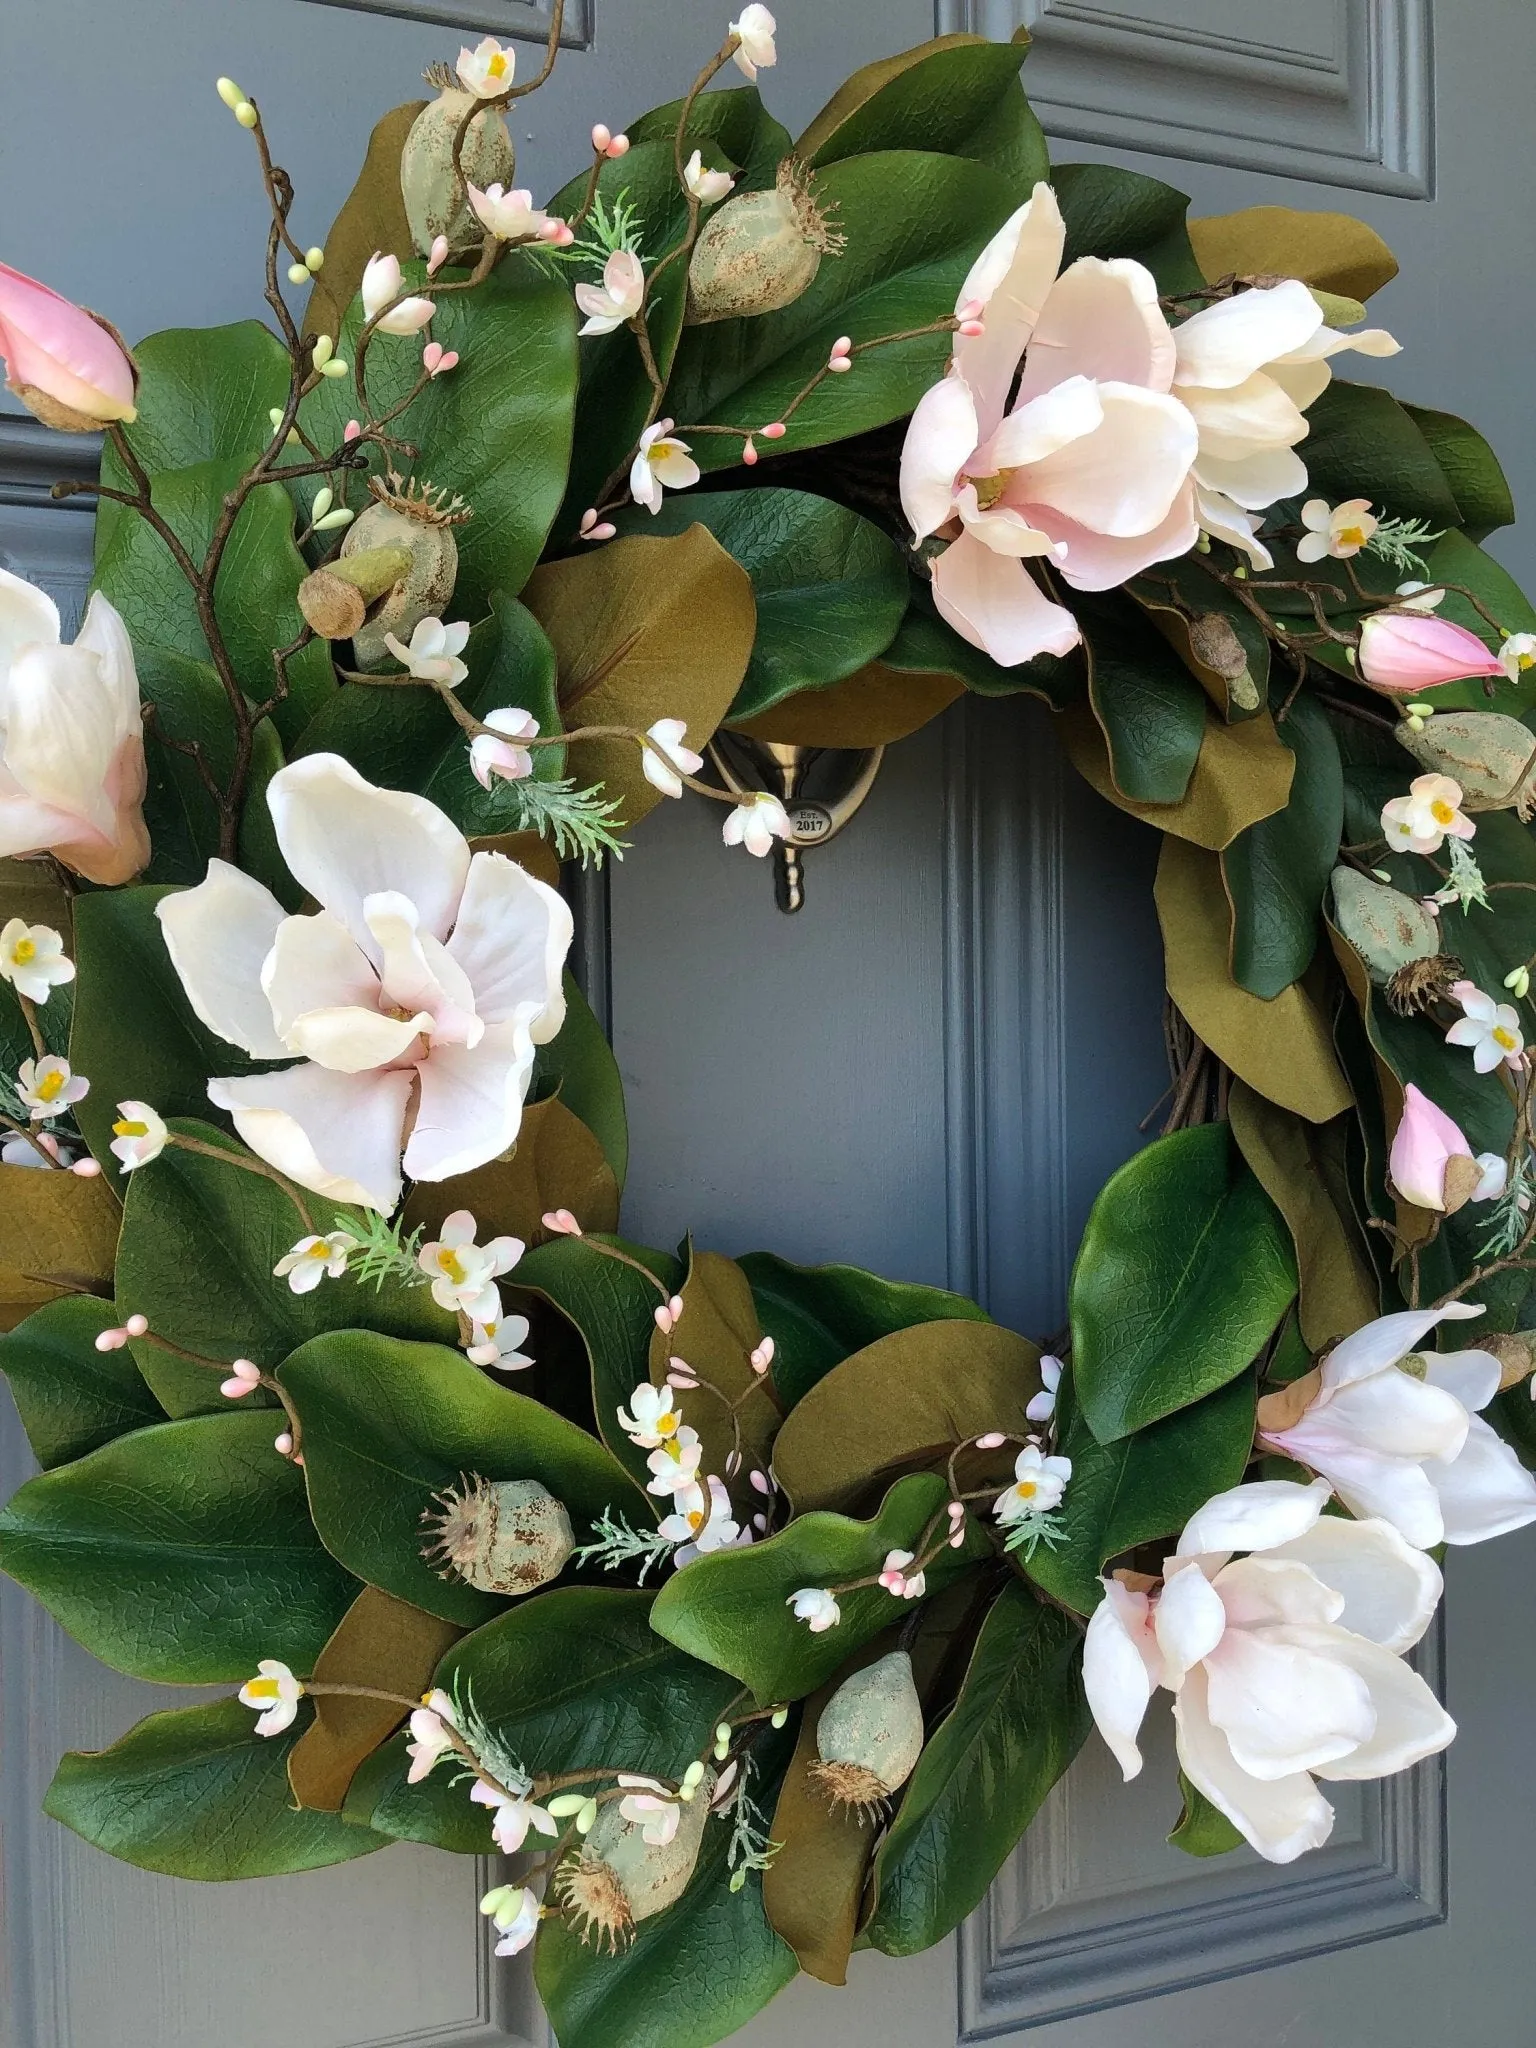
[1490,754]
[760,251]
[416,519]
[618,1878]
[500,1535]
[870,1734]
[435,201]
[1386,928]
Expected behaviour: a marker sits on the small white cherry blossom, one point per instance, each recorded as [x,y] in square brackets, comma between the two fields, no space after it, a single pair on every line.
[487,70]
[668,735]
[1491,1029]
[496,1343]
[1418,596]
[430,1739]
[509,216]
[464,1273]
[1517,655]
[138,1136]
[815,1606]
[1427,816]
[433,655]
[652,1417]
[316,1258]
[705,186]
[1042,1406]
[755,823]
[618,298]
[515,1815]
[274,1694]
[701,1523]
[896,1579]
[381,283]
[754,33]
[514,1910]
[1336,530]
[660,461]
[651,1807]
[674,1464]
[490,757]
[1038,1485]
[49,1086]
[32,959]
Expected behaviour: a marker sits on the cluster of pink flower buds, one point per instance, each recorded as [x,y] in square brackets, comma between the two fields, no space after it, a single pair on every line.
[969,316]
[592,528]
[437,361]
[608,144]
[956,1524]
[841,357]
[114,1340]
[669,1315]
[244,1378]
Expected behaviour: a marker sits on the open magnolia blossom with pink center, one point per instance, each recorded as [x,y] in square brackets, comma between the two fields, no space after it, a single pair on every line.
[1286,1665]
[414,996]
[1396,1432]
[1054,435]
[1432,1164]
[64,364]
[72,776]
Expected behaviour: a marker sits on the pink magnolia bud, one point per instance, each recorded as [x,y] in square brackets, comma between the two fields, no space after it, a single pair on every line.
[990,1441]
[749,452]
[86,1168]
[111,1340]
[1431,1163]
[619,146]
[1411,651]
[971,328]
[775,432]
[663,1317]
[137,1326]
[351,430]
[439,255]
[283,1445]
[64,364]
[562,1222]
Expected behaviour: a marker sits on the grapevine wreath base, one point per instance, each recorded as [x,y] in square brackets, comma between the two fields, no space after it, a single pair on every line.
[755,1608]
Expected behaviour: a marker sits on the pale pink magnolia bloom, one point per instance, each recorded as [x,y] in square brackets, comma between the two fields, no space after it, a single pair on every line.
[1409,651]
[381,283]
[618,298]
[509,216]
[660,461]
[661,761]
[491,756]
[1285,1666]
[430,1738]
[1423,1146]
[72,775]
[414,997]
[1396,1432]
[701,1522]
[1086,465]
[438,361]
[64,364]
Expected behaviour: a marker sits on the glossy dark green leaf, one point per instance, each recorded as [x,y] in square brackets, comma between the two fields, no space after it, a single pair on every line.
[732,1608]
[831,588]
[182,1553]
[205,395]
[1149,707]
[1018,1722]
[818,1315]
[1201,1829]
[1277,871]
[1185,1267]
[1362,443]
[735,118]
[579,1063]
[926,645]
[1110,211]
[71,1397]
[388,1424]
[199,1242]
[1471,468]
[434,1810]
[198,1793]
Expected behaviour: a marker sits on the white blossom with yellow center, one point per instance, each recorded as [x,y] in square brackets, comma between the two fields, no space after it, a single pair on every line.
[1038,1485]
[1491,1029]
[1427,816]
[487,70]
[314,1259]
[1336,530]
[652,1417]
[274,1694]
[49,1086]
[32,959]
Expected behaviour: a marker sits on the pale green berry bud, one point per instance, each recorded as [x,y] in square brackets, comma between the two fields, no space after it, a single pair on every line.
[314,259]
[564,1804]
[230,93]
[334,521]
[586,1817]
[246,114]
[325,498]
[693,1776]
[780,1716]
[322,351]
[334,368]
[276,415]
[738,1879]
[1519,982]
[297,274]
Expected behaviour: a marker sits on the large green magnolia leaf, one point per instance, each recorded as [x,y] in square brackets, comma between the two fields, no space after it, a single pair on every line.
[199,1242]
[433,1810]
[496,430]
[914,223]
[731,1608]
[182,1553]
[1185,1268]
[1202,1829]
[372,220]
[818,1315]
[831,588]
[1115,212]
[198,1793]
[1148,706]
[906,1400]
[578,1063]
[1361,443]
[957,96]
[71,1397]
[205,395]
[1017,1724]
[387,1425]
[1140,1487]
[1277,871]
[1471,468]
[735,118]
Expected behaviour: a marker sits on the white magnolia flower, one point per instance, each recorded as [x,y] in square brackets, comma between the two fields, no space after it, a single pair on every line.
[274,1694]
[652,1417]
[1042,1406]
[414,996]
[701,1522]
[674,1464]
[755,823]
[515,1815]
[433,655]
[618,298]
[72,775]
[649,1806]
[464,1273]
[490,757]
[754,34]
[315,1258]
[1285,1666]
[49,1086]
[509,216]
[487,70]
[496,1343]
[1336,530]
[1248,369]
[430,1739]
[705,186]
[138,1136]
[1427,816]
[1491,1029]
[516,1911]
[1396,1432]
[381,283]
[1517,654]
[668,735]
[1038,1485]
[660,461]
[32,958]
[815,1606]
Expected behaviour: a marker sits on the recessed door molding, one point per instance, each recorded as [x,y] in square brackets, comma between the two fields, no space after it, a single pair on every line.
[515,20]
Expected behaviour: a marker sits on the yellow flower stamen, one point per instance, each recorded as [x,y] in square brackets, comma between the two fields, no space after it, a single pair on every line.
[1026,1489]
[1442,812]
[1505,1038]
[262,1688]
[26,949]
[50,1085]
[130,1130]
[451,1264]
[497,67]
[1352,536]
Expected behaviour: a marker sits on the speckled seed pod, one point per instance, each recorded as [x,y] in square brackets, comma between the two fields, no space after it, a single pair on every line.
[435,204]
[870,1734]
[500,1535]
[618,1878]
[1489,754]
[412,519]
[760,251]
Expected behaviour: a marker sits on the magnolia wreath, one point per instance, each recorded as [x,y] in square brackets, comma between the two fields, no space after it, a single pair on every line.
[753,1607]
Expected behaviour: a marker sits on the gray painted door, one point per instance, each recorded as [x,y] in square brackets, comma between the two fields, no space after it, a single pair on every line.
[947,1050]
